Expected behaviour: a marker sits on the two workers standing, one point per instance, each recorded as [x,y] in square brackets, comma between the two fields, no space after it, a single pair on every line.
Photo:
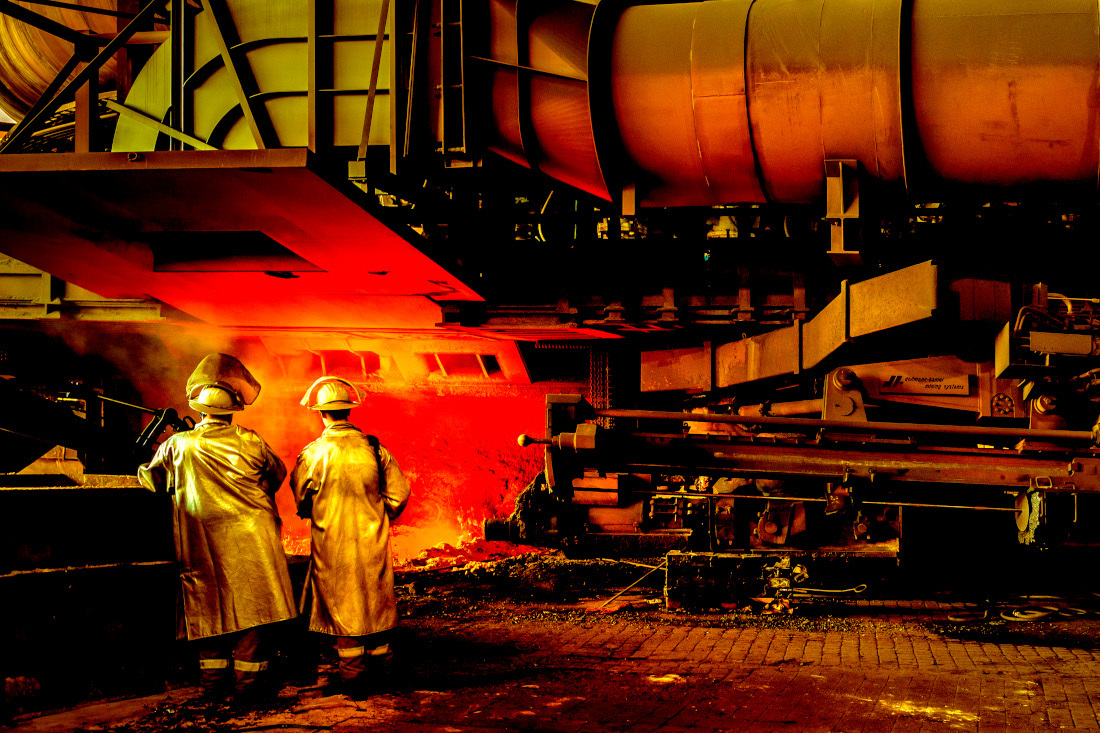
[234,582]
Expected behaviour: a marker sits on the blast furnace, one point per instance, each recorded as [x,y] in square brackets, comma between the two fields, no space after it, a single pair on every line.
[783,271]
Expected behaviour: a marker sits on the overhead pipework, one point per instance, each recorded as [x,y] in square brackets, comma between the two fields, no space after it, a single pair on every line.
[738,101]
[38,43]
[662,105]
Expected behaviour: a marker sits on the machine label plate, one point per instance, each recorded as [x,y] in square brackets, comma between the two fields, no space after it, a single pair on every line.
[957,384]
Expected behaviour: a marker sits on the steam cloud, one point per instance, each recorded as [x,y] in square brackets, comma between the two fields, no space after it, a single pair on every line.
[456,443]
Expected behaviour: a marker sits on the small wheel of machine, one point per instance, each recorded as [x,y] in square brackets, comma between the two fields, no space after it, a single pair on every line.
[1029,509]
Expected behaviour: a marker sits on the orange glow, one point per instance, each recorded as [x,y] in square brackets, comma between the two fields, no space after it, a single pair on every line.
[456,446]
[454,440]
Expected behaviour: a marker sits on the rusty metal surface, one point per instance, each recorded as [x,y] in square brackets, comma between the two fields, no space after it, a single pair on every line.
[688,368]
[784,66]
[836,450]
[897,298]
[1005,92]
[783,409]
[824,83]
[888,462]
[824,333]
[758,357]
[876,304]
[718,102]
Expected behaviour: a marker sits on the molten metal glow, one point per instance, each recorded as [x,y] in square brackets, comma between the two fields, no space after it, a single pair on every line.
[456,445]
[454,441]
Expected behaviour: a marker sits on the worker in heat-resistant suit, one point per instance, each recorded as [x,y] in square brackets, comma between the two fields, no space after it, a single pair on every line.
[234,582]
[351,488]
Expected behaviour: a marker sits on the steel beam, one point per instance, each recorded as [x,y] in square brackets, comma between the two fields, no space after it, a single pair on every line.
[379,39]
[159,126]
[56,94]
[240,73]
[46,24]
[319,75]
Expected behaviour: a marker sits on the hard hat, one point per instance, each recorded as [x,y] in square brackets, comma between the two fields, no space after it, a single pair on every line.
[226,372]
[331,393]
[214,400]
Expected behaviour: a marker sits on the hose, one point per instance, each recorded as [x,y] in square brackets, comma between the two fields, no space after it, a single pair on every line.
[1028,612]
[826,592]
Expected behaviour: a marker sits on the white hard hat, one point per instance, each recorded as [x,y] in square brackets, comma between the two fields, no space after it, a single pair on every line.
[214,400]
[331,393]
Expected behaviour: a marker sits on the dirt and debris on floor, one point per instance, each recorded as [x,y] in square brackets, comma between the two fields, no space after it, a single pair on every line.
[523,635]
[546,586]
[444,556]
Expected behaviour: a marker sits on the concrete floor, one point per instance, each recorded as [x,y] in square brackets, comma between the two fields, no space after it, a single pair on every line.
[467,663]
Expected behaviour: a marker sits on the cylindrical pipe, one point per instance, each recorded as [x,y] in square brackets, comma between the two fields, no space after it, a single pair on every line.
[1006,93]
[743,101]
[795,423]
[783,409]
[30,58]
[824,83]
[680,105]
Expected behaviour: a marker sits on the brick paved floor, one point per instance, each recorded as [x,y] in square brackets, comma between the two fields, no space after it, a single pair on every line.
[884,667]
[640,676]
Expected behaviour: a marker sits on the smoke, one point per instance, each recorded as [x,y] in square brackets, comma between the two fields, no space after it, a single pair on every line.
[455,443]
[457,450]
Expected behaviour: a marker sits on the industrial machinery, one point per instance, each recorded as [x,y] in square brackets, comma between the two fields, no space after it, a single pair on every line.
[823,262]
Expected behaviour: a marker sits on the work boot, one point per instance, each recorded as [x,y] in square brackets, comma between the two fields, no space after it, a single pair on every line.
[254,683]
[352,662]
[379,669]
[216,679]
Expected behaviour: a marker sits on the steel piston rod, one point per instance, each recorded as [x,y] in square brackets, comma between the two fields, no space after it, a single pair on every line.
[812,424]
[790,499]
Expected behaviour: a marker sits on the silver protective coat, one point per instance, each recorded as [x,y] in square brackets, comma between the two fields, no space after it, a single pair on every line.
[349,591]
[233,571]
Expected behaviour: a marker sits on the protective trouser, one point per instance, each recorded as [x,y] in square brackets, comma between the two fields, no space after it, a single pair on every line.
[363,659]
[234,662]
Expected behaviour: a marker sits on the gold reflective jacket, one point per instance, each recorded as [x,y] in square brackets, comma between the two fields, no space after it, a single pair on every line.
[350,586]
[233,571]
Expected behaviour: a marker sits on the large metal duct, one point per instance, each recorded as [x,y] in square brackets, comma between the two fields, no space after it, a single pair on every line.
[30,58]
[738,101]
[536,72]
[1006,92]
[688,104]
[270,42]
